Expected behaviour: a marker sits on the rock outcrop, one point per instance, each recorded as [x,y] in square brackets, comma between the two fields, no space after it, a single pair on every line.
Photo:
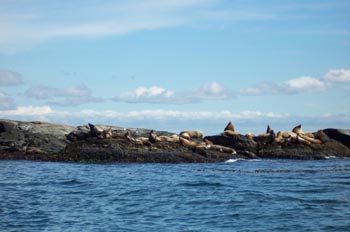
[100,143]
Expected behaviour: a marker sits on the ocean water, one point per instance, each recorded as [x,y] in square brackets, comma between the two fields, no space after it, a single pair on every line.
[258,195]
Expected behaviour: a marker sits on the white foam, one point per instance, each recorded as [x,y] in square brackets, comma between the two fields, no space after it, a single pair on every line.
[330,157]
[233,160]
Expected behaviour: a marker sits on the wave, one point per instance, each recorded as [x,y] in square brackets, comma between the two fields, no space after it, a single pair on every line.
[241,159]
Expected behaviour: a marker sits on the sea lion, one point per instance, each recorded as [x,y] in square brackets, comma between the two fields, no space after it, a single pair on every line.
[191,134]
[221,149]
[285,136]
[187,143]
[229,133]
[34,150]
[310,135]
[152,136]
[298,130]
[311,140]
[171,139]
[302,140]
[250,135]
[320,135]
[268,129]
[229,127]
[94,131]
[208,142]
[106,134]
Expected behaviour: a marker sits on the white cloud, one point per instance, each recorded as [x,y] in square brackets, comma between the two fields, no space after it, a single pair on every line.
[211,122]
[153,94]
[156,94]
[6,102]
[64,97]
[10,78]
[338,76]
[297,85]
[47,111]
[303,84]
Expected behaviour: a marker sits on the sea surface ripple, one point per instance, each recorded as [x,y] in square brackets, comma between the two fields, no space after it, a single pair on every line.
[258,195]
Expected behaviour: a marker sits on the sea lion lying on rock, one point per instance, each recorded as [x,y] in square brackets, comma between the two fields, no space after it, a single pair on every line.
[229,133]
[101,134]
[292,137]
[221,149]
[189,143]
[305,136]
[191,134]
[106,134]
[266,138]
[171,139]
[206,146]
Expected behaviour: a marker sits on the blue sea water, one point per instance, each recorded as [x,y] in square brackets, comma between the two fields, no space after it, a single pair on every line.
[258,195]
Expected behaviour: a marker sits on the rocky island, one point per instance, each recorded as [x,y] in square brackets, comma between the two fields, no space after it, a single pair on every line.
[100,143]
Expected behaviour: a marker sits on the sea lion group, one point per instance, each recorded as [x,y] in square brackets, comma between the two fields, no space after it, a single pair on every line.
[193,139]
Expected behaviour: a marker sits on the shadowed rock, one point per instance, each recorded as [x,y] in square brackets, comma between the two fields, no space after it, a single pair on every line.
[342,136]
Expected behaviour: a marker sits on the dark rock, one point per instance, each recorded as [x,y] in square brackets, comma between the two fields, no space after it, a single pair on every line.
[342,136]
[122,150]
[239,142]
[17,136]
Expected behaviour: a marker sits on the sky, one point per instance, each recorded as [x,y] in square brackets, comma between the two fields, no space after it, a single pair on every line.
[177,64]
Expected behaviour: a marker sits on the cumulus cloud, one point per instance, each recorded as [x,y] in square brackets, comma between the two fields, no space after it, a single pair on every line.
[9,78]
[337,76]
[59,96]
[297,85]
[156,94]
[6,101]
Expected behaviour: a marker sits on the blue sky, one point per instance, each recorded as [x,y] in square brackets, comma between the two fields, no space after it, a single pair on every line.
[176,64]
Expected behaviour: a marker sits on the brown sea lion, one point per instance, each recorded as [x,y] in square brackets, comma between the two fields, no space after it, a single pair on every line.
[191,134]
[250,135]
[311,140]
[229,133]
[187,143]
[320,135]
[302,140]
[106,134]
[167,139]
[229,127]
[34,150]
[310,135]
[285,136]
[298,130]
[221,149]
[208,142]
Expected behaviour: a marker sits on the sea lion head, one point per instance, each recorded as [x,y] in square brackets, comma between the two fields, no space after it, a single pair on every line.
[268,130]
[152,136]
[297,130]
[229,127]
